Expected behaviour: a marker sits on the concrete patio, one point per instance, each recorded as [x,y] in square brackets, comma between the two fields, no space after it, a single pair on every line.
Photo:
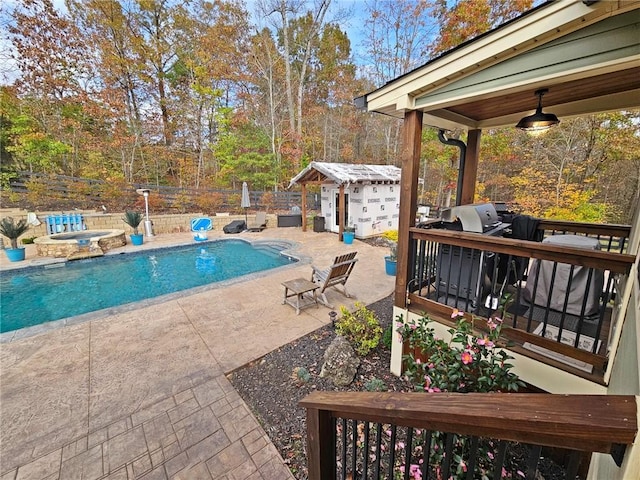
[143,393]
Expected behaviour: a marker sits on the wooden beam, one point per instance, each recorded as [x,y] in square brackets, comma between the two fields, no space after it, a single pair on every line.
[304,207]
[341,212]
[410,161]
[470,173]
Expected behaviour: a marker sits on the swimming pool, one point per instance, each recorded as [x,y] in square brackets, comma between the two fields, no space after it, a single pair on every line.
[33,296]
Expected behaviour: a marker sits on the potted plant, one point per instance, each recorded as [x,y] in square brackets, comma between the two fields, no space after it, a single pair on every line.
[391,260]
[348,235]
[12,230]
[133,219]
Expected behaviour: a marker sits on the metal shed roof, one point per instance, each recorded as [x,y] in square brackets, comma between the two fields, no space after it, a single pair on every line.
[345,173]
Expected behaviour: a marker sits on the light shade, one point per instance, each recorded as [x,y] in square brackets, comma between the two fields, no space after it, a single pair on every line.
[538,121]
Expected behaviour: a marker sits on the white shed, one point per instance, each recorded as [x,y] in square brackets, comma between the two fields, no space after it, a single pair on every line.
[371,195]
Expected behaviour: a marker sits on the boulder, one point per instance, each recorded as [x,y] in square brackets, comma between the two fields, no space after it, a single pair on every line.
[340,362]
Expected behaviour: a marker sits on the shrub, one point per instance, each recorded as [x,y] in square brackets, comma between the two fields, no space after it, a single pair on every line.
[360,327]
[387,336]
[209,202]
[375,385]
[300,375]
[466,363]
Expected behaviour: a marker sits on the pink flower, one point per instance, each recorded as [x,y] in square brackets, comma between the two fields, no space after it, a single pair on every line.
[485,341]
[490,455]
[463,465]
[466,357]
[414,471]
[418,362]
[457,313]
[400,446]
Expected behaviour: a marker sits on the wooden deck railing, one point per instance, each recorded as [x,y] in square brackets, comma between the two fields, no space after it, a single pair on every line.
[553,298]
[385,435]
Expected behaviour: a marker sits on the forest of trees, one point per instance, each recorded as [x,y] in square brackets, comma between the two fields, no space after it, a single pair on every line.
[206,94]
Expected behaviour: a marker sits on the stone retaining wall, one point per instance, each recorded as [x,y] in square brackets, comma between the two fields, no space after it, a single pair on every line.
[173,223]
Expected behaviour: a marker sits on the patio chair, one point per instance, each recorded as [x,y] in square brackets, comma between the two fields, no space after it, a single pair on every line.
[336,274]
[260,222]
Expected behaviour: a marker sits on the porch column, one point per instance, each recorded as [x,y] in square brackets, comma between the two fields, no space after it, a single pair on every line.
[410,161]
[470,173]
[304,207]
[341,213]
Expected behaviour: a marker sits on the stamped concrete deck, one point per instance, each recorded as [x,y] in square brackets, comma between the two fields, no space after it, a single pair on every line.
[143,393]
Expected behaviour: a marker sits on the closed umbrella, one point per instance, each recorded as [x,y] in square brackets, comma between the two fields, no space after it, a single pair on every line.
[245,202]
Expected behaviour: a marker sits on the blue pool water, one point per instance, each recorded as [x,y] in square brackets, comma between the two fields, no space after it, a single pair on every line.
[38,295]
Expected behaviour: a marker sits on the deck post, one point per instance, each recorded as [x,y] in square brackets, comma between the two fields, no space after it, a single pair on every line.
[410,164]
[470,173]
[321,446]
[341,212]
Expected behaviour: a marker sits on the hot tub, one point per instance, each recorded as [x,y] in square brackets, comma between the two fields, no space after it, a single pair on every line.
[79,244]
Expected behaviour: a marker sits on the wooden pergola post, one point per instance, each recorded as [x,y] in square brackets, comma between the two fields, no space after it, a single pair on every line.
[304,207]
[470,172]
[410,161]
[341,212]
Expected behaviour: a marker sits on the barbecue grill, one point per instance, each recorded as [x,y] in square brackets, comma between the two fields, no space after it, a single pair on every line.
[461,271]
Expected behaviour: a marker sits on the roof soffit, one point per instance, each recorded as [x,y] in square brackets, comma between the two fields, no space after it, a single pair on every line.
[555,20]
[609,45]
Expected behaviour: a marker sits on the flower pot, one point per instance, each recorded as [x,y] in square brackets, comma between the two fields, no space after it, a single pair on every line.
[390,265]
[15,254]
[137,239]
[347,237]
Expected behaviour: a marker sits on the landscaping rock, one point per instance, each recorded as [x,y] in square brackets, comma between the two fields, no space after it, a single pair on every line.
[340,362]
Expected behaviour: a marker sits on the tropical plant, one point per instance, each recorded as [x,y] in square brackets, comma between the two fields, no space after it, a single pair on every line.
[12,229]
[132,219]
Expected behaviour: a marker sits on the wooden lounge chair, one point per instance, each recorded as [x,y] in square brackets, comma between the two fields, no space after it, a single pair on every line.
[336,274]
[259,224]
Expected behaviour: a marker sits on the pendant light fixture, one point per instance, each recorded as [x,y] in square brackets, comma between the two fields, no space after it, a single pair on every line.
[538,121]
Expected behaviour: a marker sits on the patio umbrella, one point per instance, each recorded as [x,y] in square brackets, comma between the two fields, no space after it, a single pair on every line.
[245,202]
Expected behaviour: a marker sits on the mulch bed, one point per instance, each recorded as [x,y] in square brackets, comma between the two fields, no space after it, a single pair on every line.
[273,386]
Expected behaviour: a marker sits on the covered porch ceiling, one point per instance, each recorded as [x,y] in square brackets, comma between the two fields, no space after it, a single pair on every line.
[587,54]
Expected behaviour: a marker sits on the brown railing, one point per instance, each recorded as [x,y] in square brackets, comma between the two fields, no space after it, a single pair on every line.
[555,299]
[612,238]
[390,435]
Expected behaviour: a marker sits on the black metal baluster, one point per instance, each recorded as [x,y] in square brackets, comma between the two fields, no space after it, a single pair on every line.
[376,465]
[365,459]
[473,457]
[532,462]
[407,455]
[426,453]
[499,463]
[448,453]
[344,448]
[354,447]
[392,450]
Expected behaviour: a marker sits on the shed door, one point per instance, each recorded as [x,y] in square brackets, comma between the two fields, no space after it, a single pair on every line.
[336,217]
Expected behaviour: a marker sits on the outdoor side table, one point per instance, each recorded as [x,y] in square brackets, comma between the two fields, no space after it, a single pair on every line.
[298,288]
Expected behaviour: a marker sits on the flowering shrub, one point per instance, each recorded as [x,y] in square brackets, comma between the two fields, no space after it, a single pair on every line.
[465,363]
